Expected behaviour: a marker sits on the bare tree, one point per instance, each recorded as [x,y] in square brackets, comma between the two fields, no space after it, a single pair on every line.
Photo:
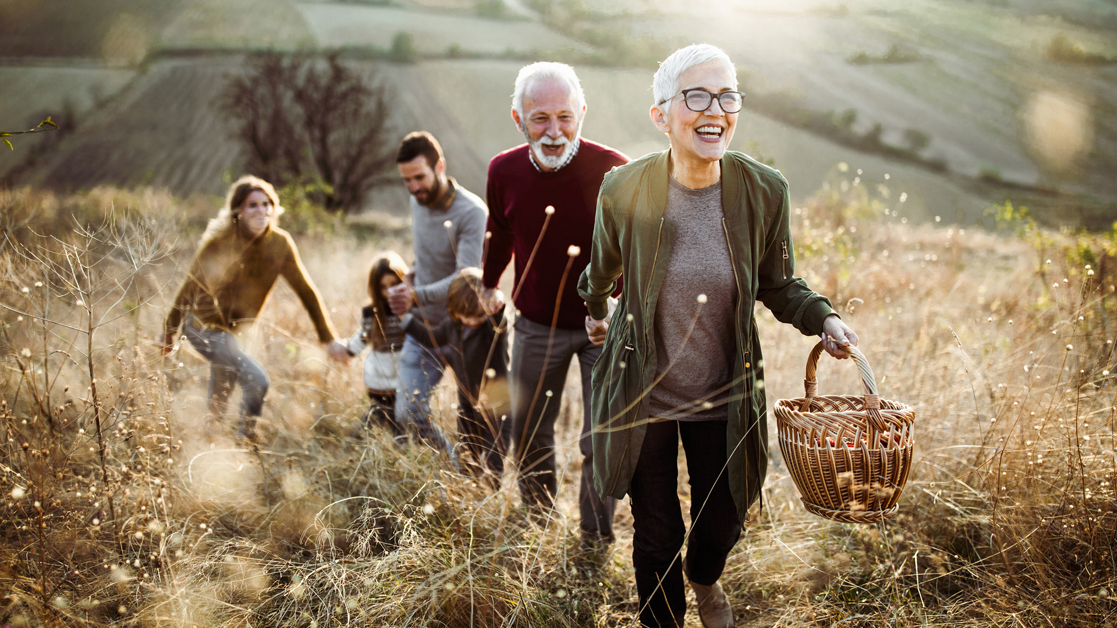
[311,119]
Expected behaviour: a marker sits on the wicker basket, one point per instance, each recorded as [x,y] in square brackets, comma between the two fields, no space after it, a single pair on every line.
[849,455]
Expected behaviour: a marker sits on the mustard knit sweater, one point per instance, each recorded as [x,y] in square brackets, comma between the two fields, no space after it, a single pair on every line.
[232,276]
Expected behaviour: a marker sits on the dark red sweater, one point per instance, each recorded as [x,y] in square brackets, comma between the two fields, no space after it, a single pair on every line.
[518,196]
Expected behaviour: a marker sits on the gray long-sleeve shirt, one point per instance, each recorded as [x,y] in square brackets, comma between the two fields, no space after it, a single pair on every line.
[441,251]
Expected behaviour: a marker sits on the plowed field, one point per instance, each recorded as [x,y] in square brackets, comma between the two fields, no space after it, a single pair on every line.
[238,24]
[337,25]
[30,92]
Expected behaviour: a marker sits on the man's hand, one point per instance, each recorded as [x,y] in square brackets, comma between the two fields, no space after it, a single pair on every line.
[401,298]
[596,329]
[167,343]
[492,299]
[836,335]
[338,352]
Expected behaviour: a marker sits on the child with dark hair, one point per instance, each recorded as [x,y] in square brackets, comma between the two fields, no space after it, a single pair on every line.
[383,332]
[475,347]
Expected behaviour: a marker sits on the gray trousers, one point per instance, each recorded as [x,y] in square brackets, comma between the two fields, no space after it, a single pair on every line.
[538,377]
[229,366]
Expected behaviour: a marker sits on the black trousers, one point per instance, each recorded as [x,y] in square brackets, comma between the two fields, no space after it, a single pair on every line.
[658,518]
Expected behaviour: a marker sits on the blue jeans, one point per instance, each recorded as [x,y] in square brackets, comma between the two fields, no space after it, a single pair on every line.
[420,370]
[229,366]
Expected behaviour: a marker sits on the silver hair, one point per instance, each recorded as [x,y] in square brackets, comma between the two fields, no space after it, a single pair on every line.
[545,70]
[665,84]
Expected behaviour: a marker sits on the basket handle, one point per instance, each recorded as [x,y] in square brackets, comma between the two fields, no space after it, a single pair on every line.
[868,380]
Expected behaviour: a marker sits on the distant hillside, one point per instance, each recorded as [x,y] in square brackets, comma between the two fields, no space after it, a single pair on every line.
[81,28]
[166,131]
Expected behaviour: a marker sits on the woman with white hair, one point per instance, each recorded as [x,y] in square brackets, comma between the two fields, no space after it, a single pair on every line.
[241,256]
[699,233]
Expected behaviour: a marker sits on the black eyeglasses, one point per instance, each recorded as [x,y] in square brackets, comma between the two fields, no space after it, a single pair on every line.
[699,100]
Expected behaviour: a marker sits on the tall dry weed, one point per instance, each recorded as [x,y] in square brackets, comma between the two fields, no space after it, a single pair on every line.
[157,519]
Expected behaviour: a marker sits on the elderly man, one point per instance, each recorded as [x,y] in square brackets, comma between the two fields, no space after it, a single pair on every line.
[542,197]
[448,232]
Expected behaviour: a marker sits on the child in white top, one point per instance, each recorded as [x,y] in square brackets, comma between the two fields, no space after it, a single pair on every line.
[382,331]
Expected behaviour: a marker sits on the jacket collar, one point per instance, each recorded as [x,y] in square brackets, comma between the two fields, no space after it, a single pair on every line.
[731,180]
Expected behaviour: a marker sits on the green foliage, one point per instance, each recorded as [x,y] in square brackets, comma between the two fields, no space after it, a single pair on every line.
[916,140]
[989,173]
[491,9]
[844,120]
[613,44]
[1091,258]
[45,125]
[1062,49]
[1009,216]
[896,53]
[837,126]
[403,48]
[304,214]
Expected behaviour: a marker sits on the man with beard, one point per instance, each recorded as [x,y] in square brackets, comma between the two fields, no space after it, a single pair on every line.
[448,234]
[543,197]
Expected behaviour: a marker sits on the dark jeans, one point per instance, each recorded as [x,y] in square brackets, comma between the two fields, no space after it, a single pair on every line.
[534,414]
[658,519]
[229,366]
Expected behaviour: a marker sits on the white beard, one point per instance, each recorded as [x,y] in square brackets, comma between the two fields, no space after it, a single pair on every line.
[557,161]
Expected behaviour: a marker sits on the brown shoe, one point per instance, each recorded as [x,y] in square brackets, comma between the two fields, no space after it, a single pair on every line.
[713,606]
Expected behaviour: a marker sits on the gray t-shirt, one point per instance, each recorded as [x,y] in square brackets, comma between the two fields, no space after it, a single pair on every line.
[695,343]
[441,251]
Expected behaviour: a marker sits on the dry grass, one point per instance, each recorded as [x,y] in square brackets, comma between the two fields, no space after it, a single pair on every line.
[1008,518]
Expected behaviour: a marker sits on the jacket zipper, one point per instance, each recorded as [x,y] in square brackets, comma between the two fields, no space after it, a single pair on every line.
[740,300]
[733,262]
[647,289]
[786,256]
[643,358]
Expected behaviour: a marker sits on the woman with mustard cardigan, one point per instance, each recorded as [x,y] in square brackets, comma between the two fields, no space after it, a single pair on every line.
[242,255]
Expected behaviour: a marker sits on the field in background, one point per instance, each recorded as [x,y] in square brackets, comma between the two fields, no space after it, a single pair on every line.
[167,132]
[617,115]
[63,92]
[975,71]
[1008,515]
[238,24]
[979,96]
[337,25]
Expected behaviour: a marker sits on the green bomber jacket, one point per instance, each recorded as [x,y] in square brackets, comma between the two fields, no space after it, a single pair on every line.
[632,238]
